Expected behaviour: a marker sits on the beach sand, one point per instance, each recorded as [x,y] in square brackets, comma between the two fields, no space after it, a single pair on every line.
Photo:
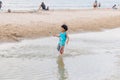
[20,25]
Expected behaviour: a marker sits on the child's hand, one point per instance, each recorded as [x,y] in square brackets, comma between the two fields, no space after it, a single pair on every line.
[56,35]
[52,34]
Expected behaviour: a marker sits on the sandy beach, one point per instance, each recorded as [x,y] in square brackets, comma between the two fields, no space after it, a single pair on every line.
[30,52]
[20,25]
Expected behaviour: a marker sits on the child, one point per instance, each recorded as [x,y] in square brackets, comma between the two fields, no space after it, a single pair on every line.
[63,36]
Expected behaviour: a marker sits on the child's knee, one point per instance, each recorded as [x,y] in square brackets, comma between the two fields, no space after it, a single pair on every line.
[62,50]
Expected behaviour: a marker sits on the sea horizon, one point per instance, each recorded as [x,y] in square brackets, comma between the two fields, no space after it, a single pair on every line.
[55,4]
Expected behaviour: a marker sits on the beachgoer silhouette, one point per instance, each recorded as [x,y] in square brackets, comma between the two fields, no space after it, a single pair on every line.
[43,6]
[0,4]
[114,6]
[95,4]
[99,5]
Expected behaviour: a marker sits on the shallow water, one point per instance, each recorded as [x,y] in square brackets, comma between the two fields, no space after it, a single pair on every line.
[93,56]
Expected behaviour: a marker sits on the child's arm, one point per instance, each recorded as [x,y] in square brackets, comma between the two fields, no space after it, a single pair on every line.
[56,35]
[67,39]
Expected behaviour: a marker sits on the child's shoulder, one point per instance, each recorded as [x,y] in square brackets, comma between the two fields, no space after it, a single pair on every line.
[66,32]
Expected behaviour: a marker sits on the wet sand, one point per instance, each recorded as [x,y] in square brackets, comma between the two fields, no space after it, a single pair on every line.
[92,55]
[20,25]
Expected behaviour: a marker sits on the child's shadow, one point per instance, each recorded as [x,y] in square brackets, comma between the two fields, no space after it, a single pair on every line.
[61,68]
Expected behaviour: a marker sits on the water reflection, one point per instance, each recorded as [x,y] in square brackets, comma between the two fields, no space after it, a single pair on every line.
[61,68]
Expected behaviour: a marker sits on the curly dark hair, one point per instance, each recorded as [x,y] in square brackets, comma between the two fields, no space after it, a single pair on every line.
[65,27]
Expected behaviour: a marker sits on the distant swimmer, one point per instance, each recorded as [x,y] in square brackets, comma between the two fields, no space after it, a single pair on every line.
[0,4]
[43,6]
[95,4]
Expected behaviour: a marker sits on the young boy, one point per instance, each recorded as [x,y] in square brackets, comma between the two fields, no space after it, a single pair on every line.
[63,38]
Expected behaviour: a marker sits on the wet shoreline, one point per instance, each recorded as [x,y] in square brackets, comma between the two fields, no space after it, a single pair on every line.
[93,56]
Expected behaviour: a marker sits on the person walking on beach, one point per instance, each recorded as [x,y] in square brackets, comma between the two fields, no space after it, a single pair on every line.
[95,4]
[0,5]
[63,38]
[43,6]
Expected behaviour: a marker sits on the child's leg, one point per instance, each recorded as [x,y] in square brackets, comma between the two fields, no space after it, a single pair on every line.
[58,47]
[62,50]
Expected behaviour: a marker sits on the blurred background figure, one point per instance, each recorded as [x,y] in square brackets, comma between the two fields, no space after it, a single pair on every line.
[43,6]
[114,6]
[95,4]
[99,5]
[0,5]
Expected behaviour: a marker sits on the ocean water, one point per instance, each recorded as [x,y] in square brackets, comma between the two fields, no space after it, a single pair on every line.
[55,4]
